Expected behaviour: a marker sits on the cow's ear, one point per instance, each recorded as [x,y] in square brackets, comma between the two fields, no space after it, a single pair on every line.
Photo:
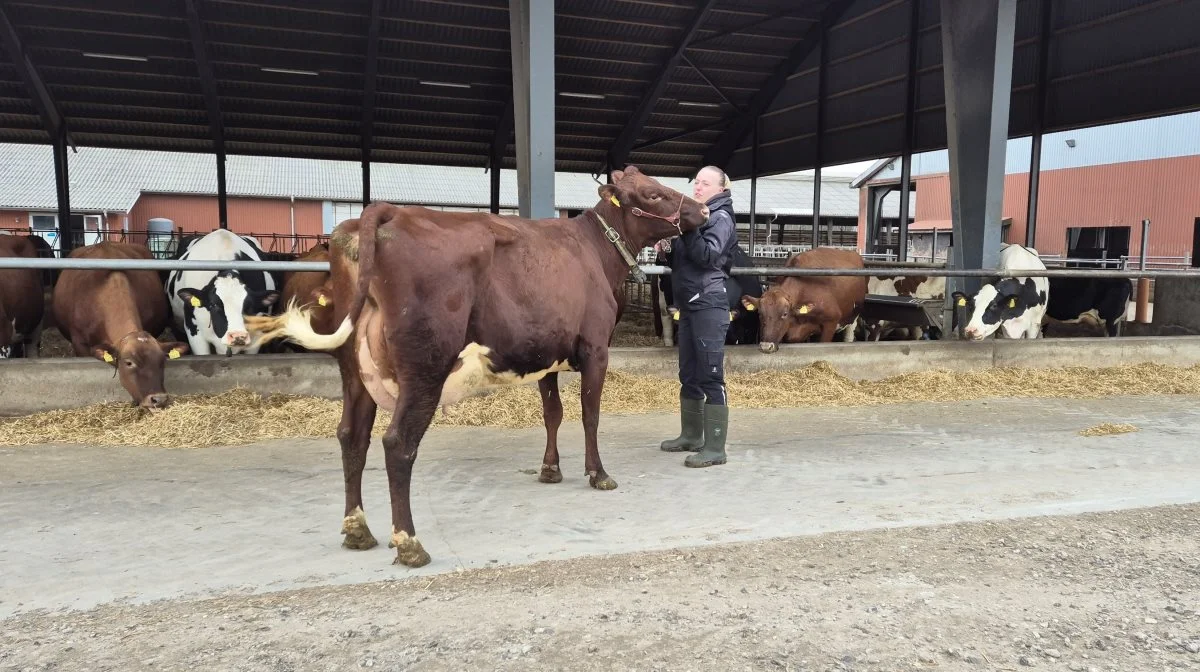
[321,297]
[750,303]
[960,299]
[174,349]
[105,353]
[190,297]
[609,193]
[1011,301]
[804,309]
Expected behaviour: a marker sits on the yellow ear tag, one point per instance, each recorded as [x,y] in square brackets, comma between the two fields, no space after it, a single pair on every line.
[732,316]
[749,306]
[803,310]
[675,315]
[962,302]
[321,300]
[1012,303]
[174,353]
[195,302]
[614,201]
[108,358]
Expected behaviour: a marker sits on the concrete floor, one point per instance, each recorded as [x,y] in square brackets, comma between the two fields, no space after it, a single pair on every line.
[85,525]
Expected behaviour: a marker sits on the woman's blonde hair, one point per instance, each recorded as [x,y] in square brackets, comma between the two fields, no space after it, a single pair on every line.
[725,183]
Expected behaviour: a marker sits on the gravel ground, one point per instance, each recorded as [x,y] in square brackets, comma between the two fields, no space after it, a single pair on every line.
[1111,591]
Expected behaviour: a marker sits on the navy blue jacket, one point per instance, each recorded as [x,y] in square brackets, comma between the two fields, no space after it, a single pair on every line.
[701,259]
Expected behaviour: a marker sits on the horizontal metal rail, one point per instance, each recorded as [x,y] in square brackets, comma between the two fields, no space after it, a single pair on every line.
[770,271]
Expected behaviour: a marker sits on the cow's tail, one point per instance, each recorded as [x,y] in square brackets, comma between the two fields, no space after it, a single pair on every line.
[295,323]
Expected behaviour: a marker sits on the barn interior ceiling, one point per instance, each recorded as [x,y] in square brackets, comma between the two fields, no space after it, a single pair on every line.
[666,84]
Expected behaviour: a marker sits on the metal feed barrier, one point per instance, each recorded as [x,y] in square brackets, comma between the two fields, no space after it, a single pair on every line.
[649,269]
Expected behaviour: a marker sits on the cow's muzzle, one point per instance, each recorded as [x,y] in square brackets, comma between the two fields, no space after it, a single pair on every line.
[156,402]
[238,338]
[768,347]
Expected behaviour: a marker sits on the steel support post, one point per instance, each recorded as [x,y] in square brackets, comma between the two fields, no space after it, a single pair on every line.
[1039,122]
[977,53]
[222,196]
[532,31]
[910,125]
[62,184]
[753,188]
[822,92]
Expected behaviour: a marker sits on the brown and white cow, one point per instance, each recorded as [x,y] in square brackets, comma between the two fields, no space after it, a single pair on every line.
[22,301]
[437,306]
[114,315]
[795,309]
[916,286]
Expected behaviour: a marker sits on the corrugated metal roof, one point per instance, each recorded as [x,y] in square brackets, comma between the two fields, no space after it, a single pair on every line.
[112,179]
[289,76]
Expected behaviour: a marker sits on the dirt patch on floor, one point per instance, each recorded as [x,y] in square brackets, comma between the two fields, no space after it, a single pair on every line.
[1113,591]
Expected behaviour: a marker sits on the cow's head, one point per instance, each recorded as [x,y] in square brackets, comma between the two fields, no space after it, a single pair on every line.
[140,361]
[649,210]
[219,308]
[1004,303]
[782,319]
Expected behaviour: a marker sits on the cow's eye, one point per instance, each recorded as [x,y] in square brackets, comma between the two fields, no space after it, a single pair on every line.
[130,364]
[655,197]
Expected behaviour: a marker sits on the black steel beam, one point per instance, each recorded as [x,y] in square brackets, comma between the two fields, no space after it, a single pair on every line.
[62,182]
[681,134]
[724,148]
[208,84]
[785,14]
[47,108]
[619,152]
[910,125]
[822,94]
[711,84]
[1039,122]
[370,78]
[504,131]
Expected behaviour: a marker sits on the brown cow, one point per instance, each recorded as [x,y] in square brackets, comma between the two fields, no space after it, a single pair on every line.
[446,305]
[22,301]
[796,308]
[113,316]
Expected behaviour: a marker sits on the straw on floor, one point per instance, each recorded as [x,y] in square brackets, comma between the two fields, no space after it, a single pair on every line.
[1108,429]
[240,416]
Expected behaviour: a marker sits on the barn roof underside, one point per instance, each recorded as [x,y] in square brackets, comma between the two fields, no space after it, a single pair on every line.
[287,77]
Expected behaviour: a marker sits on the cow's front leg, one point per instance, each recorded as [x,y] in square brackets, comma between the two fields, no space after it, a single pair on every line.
[552,413]
[595,365]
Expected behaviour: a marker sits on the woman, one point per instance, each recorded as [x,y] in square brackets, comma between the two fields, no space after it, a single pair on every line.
[700,261]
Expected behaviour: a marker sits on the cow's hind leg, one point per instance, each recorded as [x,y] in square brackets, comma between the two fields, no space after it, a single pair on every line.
[414,412]
[552,414]
[593,369]
[354,435]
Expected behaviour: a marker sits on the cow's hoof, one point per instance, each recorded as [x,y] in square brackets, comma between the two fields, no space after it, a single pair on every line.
[409,551]
[601,481]
[550,474]
[358,536]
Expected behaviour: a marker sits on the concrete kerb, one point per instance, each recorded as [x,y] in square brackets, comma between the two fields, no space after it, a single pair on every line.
[31,386]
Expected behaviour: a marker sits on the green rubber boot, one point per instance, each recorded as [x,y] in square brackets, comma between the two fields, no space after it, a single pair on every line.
[691,418]
[716,426]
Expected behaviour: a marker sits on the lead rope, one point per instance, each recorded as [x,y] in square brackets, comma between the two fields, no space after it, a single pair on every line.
[614,237]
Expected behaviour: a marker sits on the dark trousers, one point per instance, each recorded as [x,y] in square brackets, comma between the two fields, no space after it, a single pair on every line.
[702,353]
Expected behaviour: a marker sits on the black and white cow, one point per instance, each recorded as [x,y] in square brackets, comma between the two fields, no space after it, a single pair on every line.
[1008,307]
[1074,298]
[209,305]
[743,325]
